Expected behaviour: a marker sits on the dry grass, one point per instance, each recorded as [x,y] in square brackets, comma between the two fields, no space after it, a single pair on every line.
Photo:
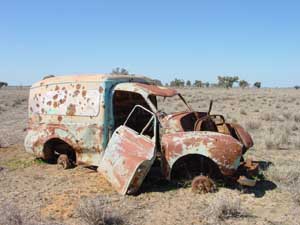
[10,214]
[277,140]
[271,115]
[297,142]
[243,112]
[297,118]
[97,212]
[284,174]
[287,177]
[252,125]
[223,207]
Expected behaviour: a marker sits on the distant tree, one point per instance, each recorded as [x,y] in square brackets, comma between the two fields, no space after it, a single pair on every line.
[48,76]
[157,82]
[188,83]
[3,84]
[297,87]
[167,84]
[243,84]
[206,84]
[214,85]
[119,71]
[177,83]
[227,81]
[198,83]
[257,84]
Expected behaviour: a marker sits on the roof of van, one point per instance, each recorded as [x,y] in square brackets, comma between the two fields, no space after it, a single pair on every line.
[87,78]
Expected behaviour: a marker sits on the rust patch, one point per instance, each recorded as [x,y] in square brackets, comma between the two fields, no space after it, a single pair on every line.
[62,101]
[55,96]
[76,93]
[71,110]
[83,93]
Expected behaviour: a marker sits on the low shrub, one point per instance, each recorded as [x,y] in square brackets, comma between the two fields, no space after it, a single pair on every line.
[97,212]
[223,207]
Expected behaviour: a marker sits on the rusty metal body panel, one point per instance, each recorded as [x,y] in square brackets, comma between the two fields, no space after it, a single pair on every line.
[146,89]
[224,150]
[242,135]
[127,160]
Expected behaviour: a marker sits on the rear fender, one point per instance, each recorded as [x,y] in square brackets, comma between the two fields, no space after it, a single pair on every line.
[36,139]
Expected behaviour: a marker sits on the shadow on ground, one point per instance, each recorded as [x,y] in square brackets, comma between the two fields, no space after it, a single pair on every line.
[155,183]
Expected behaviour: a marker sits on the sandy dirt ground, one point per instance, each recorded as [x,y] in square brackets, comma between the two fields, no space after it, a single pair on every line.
[41,193]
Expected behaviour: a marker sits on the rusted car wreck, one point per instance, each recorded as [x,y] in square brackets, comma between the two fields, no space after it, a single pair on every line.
[114,122]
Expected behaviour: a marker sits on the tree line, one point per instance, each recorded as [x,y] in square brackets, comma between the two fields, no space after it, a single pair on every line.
[223,81]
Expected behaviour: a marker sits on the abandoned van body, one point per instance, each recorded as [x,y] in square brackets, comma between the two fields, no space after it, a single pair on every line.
[114,122]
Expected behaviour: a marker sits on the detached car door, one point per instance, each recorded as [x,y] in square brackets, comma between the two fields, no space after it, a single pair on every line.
[130,152]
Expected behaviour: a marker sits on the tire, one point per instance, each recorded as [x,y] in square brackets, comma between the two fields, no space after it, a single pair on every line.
[63,162]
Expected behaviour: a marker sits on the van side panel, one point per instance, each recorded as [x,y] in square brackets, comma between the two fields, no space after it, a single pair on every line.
[77,111]
[72,112]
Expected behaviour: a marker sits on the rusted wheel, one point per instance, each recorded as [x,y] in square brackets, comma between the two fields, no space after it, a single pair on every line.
[203,184]
[64,162]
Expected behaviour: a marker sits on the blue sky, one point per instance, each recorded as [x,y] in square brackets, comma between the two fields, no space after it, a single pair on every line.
[255,40]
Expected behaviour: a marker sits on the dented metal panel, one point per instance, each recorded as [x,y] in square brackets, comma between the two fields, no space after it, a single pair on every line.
[66,100]
[243,135]
[224,150]
[127,160]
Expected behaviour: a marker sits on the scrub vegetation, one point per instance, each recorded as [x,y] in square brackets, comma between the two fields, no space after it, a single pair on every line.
[32,192]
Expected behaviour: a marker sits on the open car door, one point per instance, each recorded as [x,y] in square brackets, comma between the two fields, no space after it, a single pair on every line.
[130,152]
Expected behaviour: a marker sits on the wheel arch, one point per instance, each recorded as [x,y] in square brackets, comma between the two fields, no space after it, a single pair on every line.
[194,158]
[56,144]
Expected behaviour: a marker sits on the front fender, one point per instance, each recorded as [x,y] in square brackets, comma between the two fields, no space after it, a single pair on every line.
[223,150]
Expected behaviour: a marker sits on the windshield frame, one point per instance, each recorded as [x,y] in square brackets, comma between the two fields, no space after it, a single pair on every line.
[189,108]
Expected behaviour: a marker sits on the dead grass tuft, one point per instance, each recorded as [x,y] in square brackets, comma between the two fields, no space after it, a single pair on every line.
[243,112]
[10,214]
[252,125]
[267,116]
[278,140]
[287,177]
[297,118]
[285,174]
[297,143]
[287,115]
[97,212]
[223,207]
